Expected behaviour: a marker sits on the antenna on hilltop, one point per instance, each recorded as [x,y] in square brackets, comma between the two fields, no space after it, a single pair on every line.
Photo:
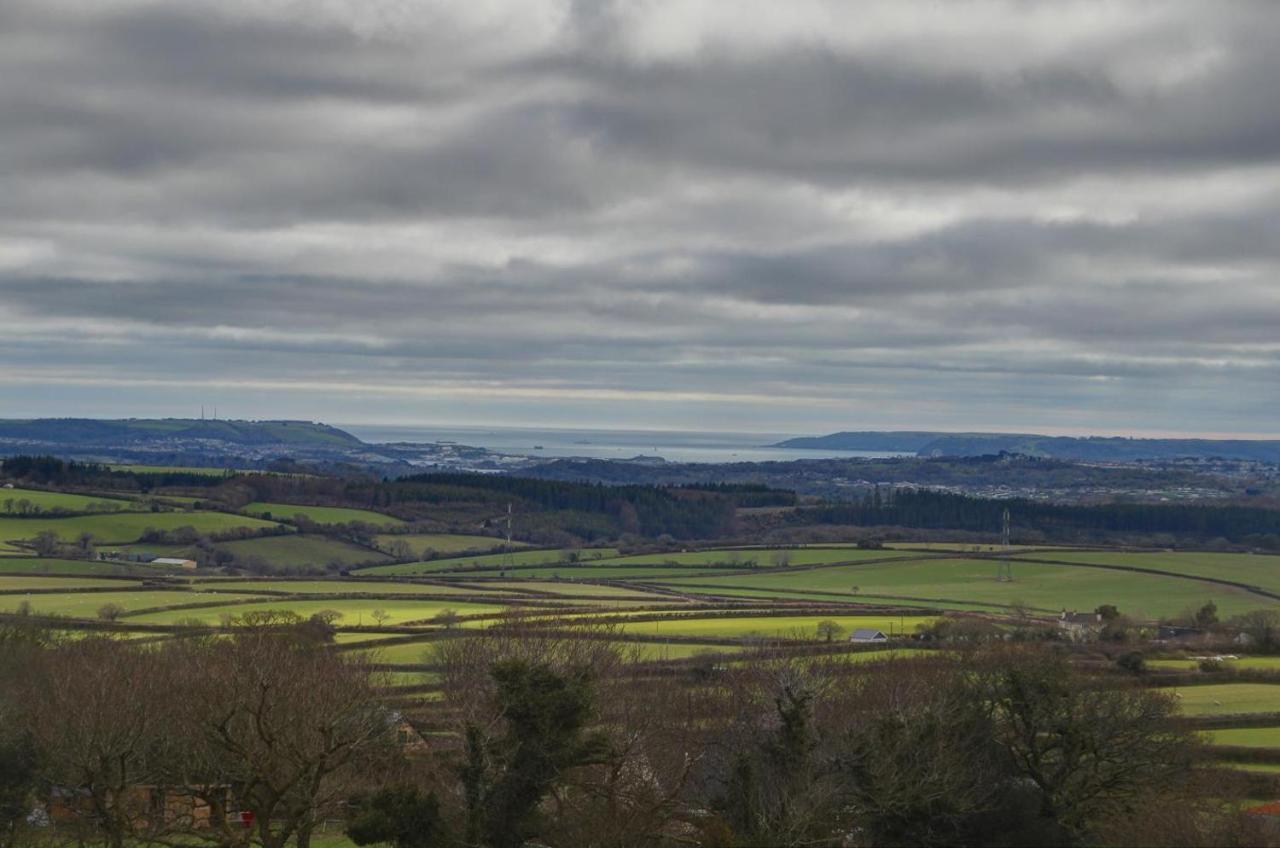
[1004,569]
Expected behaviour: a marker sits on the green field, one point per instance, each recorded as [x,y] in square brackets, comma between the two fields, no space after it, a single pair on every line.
[569,588]
[34,565]
[58,501]
[1188,664]
[407,653]
[1228,698]
[340,587]
[798,626]
[763,558]
[444,543]
[1245,737]
[487,560]
[964,547]
[1257,570]
[29,584]
[86,605]
[692,587]
[572,571]
[320,514]
[355,612]
[356,638]
[660,652]
[1049,587]
[298,549]
[123,527]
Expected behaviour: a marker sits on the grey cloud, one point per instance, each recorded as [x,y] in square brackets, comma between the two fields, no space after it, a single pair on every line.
[213,189]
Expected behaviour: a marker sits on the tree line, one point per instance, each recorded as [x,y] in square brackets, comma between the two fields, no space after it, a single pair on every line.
[930,509]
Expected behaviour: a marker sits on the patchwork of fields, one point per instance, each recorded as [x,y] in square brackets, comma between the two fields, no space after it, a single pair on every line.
[669,607]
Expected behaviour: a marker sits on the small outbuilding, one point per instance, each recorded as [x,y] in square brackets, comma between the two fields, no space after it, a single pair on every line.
[864,635]
[173,562]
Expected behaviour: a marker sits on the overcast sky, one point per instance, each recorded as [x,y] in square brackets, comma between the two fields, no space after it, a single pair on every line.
[779,216]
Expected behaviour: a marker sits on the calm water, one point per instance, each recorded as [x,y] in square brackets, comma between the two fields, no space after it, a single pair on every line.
[673,446]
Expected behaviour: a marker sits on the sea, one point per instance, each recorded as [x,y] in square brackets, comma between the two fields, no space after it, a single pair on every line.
[670,445]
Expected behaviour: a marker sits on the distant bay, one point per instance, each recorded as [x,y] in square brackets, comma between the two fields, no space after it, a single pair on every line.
[671,445]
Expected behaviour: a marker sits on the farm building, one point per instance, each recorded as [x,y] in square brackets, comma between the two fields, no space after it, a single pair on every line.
[1080,626]
[174,562]
[863,634]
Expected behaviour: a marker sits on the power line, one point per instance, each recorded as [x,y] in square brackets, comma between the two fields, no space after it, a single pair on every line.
[1004,568]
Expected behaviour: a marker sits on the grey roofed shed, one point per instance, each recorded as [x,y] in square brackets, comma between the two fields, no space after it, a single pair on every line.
[863,634]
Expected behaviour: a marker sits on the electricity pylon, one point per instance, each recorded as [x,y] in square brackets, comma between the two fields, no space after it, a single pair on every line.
[1004,568]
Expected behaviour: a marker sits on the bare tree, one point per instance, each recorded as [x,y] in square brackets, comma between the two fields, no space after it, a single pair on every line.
[46,543]
[97,707]
[290,723]
[399,549]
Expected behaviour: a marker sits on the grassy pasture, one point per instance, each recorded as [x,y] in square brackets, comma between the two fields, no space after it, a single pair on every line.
[405,653]
[657,652]
[763,557]
[337,587]
[967,547]
[1251,663]
[320,514]
[446,543]
[1245,737]
[570,572]
[1257,570]
[973,581]
[299,549]
[801,626]
[124,527]
[34,565]
[694,587]
[412,653]
[35,584]
[51,501]
[180,551]
[354,611]
[86,605]
[1229,698]
[563,588]
[353,638]
[537,557]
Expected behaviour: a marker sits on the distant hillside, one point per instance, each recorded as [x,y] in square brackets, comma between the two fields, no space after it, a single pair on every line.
[87,432]
[1091,448]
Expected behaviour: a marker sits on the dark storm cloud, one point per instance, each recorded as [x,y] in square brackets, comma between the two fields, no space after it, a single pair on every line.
[1068,203]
